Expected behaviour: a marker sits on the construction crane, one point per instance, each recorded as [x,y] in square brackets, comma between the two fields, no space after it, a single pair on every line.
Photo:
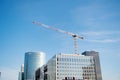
[62,31]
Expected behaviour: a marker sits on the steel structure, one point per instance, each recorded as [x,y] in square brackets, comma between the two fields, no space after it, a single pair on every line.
[62,31]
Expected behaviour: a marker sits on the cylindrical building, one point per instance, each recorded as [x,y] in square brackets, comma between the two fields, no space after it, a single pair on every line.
[33,60]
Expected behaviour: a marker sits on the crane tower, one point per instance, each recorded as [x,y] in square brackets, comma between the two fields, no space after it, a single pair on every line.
[75,37]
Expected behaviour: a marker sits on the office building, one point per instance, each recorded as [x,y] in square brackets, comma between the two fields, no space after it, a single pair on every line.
[37,74]
[19,76]
[96,61]
[22,68]
[33,61]
[71,67]
[40,73]
[0,74]
[21,73]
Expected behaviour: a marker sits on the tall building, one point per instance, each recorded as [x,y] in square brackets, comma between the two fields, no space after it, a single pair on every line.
[19,76]
[22,68]
[21,73]
[70,67]
[96,61]
[33,60]
[0,74]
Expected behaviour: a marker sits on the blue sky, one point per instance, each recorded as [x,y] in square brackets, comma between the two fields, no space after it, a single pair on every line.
[97,21]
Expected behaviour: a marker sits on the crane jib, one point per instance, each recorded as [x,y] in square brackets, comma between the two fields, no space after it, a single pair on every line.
[62,31]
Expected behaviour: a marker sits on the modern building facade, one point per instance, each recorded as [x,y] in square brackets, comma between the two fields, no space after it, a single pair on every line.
[96,61]
[19,76]
[39,73]
[0,74]
[71,67]
[33,61]
[21,73]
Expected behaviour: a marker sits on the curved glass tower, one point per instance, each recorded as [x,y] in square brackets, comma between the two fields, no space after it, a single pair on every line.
[33,60]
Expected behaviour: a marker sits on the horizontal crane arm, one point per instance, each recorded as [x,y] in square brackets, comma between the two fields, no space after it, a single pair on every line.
[62,31]
[56,29]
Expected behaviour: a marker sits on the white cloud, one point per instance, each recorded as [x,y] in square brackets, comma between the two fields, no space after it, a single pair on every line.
[100,33]
[8,73]
[104,41]
[102,36]
[95,15]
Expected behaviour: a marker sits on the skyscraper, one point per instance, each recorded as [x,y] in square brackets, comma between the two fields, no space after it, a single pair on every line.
[33,60]
[72,67]
[21,73]
[96,61]
[19,76]
[22,68]
[0,74]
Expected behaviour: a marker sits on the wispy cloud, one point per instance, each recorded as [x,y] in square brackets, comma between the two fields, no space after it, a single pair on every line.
[100,33]
[104,41]
[102,36]
[96,15]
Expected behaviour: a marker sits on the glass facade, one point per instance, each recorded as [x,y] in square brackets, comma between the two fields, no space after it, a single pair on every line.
[33,60]
[19,76]
[71,67]
[97,63]
[21,73]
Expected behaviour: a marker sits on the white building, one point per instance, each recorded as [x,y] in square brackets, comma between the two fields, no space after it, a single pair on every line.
[70,67]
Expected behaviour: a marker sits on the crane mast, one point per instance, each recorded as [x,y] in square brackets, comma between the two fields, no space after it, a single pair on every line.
[62,31]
